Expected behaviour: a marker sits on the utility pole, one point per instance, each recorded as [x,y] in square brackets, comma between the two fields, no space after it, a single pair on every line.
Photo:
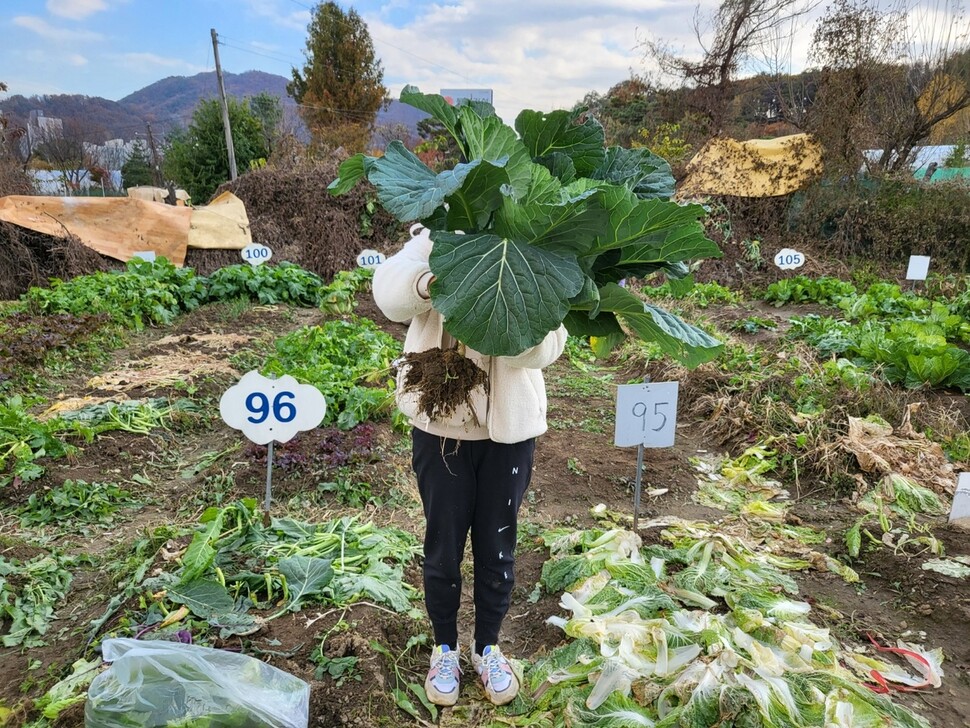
[225,106]
[156,170]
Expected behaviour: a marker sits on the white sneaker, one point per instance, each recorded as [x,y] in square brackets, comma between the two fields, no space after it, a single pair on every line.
[499,680]
[441,685]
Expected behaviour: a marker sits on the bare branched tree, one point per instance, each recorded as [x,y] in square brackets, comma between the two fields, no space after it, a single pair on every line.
[932,87]
[887,77]
[64,148]
[738,31]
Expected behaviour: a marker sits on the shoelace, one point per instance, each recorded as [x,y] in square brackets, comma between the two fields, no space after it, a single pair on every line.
[493,663]
[447,664]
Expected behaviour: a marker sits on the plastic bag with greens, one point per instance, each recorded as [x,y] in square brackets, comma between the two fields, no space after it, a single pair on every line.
[156,684]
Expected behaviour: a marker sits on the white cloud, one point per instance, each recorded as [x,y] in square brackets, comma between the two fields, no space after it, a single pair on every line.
[935,32]
[45,30]
[75,9]
[146,62]
[542,55]
[268,47]
[76,59]
[278,13]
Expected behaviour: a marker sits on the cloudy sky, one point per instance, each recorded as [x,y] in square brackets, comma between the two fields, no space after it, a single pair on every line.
[538,54]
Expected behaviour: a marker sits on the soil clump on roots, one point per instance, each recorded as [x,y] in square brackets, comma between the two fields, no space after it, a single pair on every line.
[444,379]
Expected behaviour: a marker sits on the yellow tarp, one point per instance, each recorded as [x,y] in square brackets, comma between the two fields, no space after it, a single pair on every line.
[119,227]
[222,223]
[755,168]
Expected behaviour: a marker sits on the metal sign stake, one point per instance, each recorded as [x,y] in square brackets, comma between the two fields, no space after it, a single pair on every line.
[269,483]
[646,416]
[638,483]
[637,487]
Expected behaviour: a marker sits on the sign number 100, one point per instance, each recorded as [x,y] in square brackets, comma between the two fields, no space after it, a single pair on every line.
[255,253]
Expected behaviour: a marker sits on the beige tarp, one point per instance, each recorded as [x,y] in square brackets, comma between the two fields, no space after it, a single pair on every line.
[222,223]
[755,168]
[155,194]
[119,227]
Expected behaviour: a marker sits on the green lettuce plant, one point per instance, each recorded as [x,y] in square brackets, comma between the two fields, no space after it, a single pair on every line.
[538,225]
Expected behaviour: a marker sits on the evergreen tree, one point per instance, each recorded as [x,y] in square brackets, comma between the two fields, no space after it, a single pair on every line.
[341,86]
[137,170]
[269,110]
[196,157]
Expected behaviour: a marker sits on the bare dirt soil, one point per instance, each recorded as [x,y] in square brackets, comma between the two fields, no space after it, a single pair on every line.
[576,468]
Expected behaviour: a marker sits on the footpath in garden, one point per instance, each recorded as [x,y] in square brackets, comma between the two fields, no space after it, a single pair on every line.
[786,540]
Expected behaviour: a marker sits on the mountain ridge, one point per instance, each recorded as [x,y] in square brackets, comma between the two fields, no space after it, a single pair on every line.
[169,103]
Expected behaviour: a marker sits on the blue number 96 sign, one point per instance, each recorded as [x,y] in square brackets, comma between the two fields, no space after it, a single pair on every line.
[271,409]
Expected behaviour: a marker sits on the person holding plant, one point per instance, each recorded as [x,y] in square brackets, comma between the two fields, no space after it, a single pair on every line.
[473,466]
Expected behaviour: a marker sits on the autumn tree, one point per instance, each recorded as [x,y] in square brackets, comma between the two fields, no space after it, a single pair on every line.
[13,177]
[341,86]
[852,44]
[625,109]
[437,148]
[931,88]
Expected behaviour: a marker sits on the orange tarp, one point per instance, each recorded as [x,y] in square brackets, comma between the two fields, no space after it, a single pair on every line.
[119,227]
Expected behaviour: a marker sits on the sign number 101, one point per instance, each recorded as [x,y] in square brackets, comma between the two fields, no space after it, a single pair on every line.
[646,414]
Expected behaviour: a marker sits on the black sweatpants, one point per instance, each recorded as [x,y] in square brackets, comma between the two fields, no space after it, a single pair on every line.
[475,485]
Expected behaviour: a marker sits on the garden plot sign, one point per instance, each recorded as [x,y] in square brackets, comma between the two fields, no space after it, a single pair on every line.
[370,259]
[789,259]
[961,500]
[646,414]
[918,268]
[256,254]
[268,410]
[271,410]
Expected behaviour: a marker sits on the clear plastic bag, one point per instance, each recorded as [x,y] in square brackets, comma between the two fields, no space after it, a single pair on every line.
[156,684]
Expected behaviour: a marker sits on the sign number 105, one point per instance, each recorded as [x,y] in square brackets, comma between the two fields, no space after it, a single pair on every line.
[646,414]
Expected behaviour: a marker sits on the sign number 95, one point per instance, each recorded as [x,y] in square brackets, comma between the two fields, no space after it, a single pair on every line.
[640,410]
[646,414]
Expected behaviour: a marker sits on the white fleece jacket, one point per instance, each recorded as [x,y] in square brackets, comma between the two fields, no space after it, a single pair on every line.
[514,409]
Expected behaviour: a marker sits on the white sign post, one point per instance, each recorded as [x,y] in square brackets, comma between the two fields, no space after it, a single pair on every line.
[370,259]
[961,500]
[256,254]
[271,410]
[789,259]
[918,268]
[646,416]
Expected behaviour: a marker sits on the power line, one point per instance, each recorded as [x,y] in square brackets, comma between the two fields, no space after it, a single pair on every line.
[281,59]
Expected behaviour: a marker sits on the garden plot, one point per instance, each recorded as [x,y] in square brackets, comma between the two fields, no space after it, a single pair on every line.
[139,519]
